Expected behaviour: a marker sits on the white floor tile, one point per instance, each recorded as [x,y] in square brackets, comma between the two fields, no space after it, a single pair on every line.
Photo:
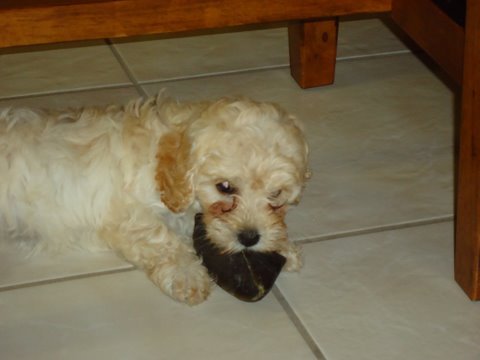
[18,269]
[50,68]
[162,58]
[97,97]
[367,36]
[123,316]
[388,295]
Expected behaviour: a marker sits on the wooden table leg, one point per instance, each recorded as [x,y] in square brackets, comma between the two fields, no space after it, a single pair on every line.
[467,225]
[313,51]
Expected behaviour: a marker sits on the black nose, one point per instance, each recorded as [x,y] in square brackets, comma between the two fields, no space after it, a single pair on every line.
[248,237]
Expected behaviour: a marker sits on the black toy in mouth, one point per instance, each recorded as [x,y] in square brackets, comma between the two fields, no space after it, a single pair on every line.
[248,275]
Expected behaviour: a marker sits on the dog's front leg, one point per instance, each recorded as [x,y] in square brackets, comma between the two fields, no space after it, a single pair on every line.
[142,239]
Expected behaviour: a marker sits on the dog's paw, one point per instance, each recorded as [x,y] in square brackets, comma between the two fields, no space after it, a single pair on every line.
[293,254]
[188,283]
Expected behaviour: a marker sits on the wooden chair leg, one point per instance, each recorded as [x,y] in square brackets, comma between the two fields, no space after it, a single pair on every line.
[467,226]
[313,50]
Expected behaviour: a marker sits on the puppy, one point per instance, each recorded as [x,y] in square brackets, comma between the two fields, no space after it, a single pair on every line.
[132,178]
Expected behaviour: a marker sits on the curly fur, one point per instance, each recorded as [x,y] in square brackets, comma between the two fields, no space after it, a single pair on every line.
[133,177]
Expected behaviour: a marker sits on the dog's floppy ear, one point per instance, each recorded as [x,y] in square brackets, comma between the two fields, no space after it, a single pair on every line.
[174,174]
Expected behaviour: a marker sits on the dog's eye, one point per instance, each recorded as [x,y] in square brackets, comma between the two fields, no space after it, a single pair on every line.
[225,187]
[275,194]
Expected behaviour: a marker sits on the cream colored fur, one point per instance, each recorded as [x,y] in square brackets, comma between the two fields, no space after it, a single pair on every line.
[132,178]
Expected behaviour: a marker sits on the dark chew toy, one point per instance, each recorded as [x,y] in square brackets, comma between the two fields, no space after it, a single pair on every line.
[247,275]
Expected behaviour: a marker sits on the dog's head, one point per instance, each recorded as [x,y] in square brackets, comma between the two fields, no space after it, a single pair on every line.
[245,163]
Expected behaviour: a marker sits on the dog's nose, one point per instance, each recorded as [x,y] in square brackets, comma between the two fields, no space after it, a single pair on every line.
[248,237]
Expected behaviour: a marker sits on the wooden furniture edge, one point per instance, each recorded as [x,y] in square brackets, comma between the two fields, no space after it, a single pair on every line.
[437,34]
[26,22]
[467,221]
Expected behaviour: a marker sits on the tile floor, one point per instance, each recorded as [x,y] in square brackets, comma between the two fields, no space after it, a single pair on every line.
[376,220]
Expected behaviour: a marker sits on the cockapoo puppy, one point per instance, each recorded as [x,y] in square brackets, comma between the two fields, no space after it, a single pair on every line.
[133,177]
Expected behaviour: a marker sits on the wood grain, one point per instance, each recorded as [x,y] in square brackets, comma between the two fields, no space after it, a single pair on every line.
[434,31]
[27,22]
[467,226]
[313,51]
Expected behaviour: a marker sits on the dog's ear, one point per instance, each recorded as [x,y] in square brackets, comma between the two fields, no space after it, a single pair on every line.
[174,174]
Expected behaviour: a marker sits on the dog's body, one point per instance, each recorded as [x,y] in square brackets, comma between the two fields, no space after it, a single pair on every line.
[133,177]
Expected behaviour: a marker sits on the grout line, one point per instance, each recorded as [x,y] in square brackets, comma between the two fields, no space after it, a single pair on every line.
[66,91]
[138,84]
[304,241]
[382,54]
[126,69]
[65,279]
[295,319]
[298,324]
[214,74]
[263,68]
[376,229]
